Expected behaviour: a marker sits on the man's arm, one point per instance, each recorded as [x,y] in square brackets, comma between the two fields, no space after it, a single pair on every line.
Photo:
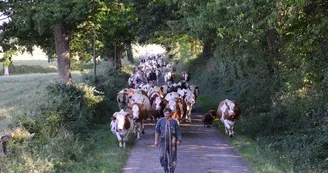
[156,139]
[178,133]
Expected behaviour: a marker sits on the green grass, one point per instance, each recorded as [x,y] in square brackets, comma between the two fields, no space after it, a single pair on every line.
[19,92]
[41,62]
[101,151]
[104,154]
[260,158]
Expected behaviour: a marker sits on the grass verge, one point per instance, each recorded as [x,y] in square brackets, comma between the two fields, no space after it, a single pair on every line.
[103,155]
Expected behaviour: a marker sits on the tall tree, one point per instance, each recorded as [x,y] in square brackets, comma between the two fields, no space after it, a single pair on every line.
[49,24]
[6,60]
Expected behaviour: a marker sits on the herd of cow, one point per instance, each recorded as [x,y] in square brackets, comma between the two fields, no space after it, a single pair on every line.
[146,99]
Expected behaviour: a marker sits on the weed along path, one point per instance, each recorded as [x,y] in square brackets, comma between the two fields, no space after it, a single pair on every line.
[202,150]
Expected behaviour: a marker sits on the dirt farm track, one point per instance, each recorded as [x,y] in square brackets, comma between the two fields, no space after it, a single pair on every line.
[202,150]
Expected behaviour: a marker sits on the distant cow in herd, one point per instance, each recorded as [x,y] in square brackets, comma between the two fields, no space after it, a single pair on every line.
[228,113]
[185,76]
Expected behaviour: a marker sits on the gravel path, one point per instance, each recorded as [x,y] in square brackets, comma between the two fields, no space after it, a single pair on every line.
[202,150]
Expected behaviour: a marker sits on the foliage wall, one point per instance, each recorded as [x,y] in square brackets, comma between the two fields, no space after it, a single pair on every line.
[270,56]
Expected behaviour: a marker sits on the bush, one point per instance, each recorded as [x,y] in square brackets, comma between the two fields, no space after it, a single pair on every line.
[62,116]
[109,81]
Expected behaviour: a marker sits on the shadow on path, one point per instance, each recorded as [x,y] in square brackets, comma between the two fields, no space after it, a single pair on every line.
[202,150]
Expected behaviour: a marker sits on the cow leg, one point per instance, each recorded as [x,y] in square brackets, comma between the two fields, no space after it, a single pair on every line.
[119,140]
[189,107]
[123,142]
[138,130]
[126,137]
[143,127]
[229,127]
[226,130]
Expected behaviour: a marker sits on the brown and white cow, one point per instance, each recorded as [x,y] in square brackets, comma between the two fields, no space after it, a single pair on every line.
[155,114]
[172,95]
[190,101]
[139,114]
[179,108]
[122,98]
[228,112]
[160,105]
[208,118]
[142,99]
[169,77]
[152,96]
[122,125]
[132,91]
[195,90]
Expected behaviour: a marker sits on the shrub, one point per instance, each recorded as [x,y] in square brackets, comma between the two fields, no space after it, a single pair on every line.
[109,81]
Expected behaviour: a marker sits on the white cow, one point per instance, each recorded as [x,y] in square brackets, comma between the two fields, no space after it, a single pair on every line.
[172,95]
[122,125]
[122,98]
[142,99]
[228,112]
[190,101]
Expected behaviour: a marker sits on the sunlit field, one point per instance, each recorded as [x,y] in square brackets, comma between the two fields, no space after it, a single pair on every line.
[18,91]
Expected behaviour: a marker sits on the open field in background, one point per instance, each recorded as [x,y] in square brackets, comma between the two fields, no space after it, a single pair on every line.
[38,57]
[19,91]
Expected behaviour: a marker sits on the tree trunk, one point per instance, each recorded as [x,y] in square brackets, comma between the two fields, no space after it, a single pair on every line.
[129,52]
[63,55]
[94,56]
[272,40]
[119,53]
[273,51]
[6,71]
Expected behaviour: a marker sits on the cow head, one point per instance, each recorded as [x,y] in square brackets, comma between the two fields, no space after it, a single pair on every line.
[190,99]
[120,121]
[122,98]
[146,87]
[158,73]
[230,108]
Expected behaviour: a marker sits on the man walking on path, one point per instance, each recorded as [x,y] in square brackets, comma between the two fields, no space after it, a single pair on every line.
[170,137]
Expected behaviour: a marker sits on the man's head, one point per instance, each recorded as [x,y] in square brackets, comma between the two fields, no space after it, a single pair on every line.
[167,112]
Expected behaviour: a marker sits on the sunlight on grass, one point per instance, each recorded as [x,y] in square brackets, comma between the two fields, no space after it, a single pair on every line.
[261,160]
[19,91]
